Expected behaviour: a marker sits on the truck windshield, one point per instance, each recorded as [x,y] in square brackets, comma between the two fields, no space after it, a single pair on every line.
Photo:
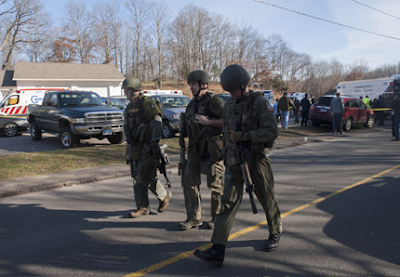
[175,102]
[81,99]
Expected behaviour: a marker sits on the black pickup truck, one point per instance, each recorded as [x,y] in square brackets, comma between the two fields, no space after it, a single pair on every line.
[75,115]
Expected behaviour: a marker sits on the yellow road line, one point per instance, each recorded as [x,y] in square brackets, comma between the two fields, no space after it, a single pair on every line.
[189,253]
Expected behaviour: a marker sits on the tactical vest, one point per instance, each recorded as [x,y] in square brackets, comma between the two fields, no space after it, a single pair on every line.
[199,133]
[202,107]
[138,116]
[241,116]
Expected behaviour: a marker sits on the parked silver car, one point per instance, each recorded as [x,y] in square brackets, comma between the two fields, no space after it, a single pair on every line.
[11,126]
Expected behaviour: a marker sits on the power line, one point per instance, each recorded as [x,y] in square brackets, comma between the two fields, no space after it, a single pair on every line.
[372,8]
[322,19]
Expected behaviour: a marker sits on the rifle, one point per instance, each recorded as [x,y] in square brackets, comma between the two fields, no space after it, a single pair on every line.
[182,163]
[244,165]
[243,156]
[129,159]
[164,160]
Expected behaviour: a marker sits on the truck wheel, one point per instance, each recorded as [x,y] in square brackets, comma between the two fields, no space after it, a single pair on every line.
[10,129]
[36,132]
[67,138]
[116,138]
[347,124]
[370,122]
[167,131]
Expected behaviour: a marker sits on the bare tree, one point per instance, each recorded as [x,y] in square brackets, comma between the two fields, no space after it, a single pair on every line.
[139,11]
[277,50]
[161,21]
[102,16]
[39,43]
[244,38]
[78,27]
[356,70]
[63,51]
[337,71]
[223,35]
[24,21]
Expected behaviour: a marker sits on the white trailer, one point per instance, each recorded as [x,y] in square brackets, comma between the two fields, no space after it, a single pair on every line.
[372,88]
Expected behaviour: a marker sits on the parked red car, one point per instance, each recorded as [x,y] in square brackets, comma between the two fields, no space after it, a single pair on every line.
[355,112]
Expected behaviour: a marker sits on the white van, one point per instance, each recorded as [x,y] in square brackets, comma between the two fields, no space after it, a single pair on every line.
[16,102]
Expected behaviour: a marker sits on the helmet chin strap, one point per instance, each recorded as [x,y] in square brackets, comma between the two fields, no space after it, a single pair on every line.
[200,89]
[242,88]
[134,94]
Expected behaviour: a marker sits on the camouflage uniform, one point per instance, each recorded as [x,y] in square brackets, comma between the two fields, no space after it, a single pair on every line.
[253,115]
[202,139]
[143,125]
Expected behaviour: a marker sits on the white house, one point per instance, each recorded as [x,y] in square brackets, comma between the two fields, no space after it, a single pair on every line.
[105,79]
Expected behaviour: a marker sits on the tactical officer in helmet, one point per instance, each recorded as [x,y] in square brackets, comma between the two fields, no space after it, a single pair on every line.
[143,132]
[249,125]
[203,126]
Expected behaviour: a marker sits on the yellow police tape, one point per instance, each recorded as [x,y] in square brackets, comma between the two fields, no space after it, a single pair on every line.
[381,109]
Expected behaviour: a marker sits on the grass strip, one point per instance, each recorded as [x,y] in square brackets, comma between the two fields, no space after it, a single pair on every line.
[39,163]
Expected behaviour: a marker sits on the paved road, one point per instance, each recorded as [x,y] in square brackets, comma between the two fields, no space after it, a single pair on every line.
[339,202]
[24,144]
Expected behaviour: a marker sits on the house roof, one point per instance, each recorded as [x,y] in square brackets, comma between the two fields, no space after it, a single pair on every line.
[6,78]
[66,71]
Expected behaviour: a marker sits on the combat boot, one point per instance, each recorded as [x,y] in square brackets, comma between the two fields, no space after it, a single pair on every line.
[214,255]
[139,212]
[211,225]
[164,204]
[272,242]
[189,224]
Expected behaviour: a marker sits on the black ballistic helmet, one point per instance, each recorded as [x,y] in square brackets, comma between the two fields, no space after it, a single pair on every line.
[198,75]
[234,76]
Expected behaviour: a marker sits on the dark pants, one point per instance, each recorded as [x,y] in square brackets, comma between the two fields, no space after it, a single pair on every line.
[296,115]
[396,127]
[337,123]
[380,116]
[304,117]
[392,117]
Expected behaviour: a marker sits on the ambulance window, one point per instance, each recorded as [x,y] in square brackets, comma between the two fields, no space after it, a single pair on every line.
[13,100]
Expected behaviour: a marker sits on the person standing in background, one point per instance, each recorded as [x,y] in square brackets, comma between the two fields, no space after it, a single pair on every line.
[296,103]
[396,113]
[284,105]
[305,109]
[337,111]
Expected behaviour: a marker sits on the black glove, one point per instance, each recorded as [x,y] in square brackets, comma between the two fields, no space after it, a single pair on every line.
[181,141]
[156,150]
[128,137]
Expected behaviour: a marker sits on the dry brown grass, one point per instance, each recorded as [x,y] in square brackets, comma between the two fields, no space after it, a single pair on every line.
[39,163]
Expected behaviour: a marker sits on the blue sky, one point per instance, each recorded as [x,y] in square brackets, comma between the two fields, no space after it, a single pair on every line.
[319,39]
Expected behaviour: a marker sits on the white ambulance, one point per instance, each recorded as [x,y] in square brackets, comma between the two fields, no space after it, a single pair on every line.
[161,92]
[16,102]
